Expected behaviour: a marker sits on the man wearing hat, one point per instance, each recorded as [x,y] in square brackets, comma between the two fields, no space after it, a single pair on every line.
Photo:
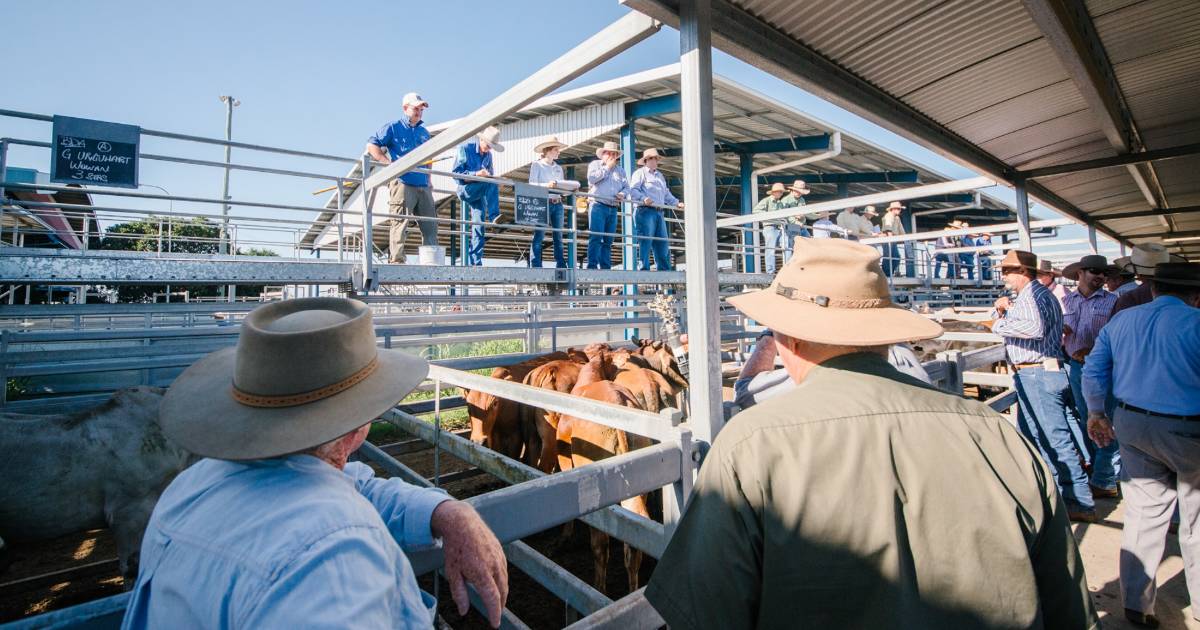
[855,225]
[480,198]
[1142,262]
[648,188]
[545,171]
[773,230]
[1047,276]
[966,259]
[411,193]
[946,242]
[1085,311]
[796,224]
[1120,277]
[859,498]
[609,187]
[892,224]
[1032,327]
[274,528]
[1149,358]
[824,228]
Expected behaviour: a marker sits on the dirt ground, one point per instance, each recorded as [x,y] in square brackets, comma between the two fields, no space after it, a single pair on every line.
[1099,546]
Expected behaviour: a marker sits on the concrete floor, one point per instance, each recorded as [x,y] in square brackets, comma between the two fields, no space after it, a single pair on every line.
[1100,546]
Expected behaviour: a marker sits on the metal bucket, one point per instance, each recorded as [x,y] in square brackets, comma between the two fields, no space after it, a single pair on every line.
[431,255]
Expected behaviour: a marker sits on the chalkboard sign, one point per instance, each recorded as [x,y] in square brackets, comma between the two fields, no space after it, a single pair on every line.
[95,152]
[532,205]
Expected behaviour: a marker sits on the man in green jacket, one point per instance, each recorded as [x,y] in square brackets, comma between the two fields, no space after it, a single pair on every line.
[865,498]
[774,231]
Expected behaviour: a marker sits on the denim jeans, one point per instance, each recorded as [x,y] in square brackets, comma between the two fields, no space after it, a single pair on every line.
[535,250]
[910,260]
[1042,401]
[773,239]
[1106,462]
[602,218]
[649,222]
[951,267]
[968,262]
[891,259]
[486,208]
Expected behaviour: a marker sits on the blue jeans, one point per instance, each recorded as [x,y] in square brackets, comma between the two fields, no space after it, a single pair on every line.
[968,261]
[910,260]
[951,267]
[773,239]
[891,259]
[1042,401]
[479,210]
[602,218]
[535,251]
[1106,462]
[649,222]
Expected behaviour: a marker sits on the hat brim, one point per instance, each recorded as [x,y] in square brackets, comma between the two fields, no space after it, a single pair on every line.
[642,160]
[199,412]
[601,150]
[835,326]
[546,146]
[800,190]
[1071,271]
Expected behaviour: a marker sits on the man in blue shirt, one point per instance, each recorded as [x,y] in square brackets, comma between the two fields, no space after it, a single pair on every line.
[411,193]
[1149,357]
[274,528]
[481,199]
[608,186]
[648,187]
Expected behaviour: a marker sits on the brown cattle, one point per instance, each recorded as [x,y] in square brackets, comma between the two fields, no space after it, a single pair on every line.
[660,358]
[539,425]
[496,422]
[651,389]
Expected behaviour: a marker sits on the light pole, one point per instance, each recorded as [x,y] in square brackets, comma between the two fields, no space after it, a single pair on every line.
[230,103]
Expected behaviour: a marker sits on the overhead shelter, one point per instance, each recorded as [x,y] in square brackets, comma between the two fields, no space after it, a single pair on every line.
[752,132]
[1088,105]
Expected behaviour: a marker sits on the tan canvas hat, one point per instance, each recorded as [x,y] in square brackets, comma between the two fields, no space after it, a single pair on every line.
[870,211]
[800,186]
[647,154]
[491,135]
[895,205]
[304,372]
[1019,258]
[777,188]
[548,144]
[1145,256]
[833,291]
[608,146]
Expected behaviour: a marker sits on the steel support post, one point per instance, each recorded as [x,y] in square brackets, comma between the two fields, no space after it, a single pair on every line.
[1023,214]
[700,230]
[745,206]
[341,218]
[1092,239]
[571,222]
[369,280]
[628,254]
[3,178]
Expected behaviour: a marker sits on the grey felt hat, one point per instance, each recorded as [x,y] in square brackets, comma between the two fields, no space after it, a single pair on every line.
[304,372]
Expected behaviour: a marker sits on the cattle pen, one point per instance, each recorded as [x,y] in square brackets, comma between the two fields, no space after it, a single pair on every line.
[64,357]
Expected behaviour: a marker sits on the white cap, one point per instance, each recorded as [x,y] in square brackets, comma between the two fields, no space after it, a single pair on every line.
[412,98]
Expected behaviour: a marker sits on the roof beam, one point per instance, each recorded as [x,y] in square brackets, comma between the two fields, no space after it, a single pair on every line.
[1069,30]
[868,177]
[748,38]
[657,106]
[1119,160]
[1147,213]
[818,142]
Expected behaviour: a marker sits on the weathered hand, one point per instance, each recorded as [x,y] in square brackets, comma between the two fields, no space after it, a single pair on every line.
[647,201]
[1002,303]
[472,555]
[1100,429]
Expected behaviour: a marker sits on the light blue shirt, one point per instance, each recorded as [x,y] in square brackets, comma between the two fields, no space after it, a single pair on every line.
[653,185]
[1150,356]
[290,542]
[399,138]
[605,183]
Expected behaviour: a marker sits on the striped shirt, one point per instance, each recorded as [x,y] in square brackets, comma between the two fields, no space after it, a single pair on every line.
[1085,316]
[1032,326]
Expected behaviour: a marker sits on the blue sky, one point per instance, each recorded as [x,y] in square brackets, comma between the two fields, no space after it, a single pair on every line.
[311,75]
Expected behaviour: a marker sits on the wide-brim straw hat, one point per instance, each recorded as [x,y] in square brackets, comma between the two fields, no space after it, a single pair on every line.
[1178,273]
[870,211]
[609,146]
[1145,256]
[491,135]
[1094,261]
[548,144]
[833,291]
[896,205]
[958,225]
[304,372]
[1045,266]
[1020,258]
[800,186]
[647,154]
[777,187]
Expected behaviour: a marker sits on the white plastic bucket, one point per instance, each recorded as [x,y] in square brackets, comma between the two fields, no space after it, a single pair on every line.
[431,255]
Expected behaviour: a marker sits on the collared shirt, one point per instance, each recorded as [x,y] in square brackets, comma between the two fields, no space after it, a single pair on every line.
[1086,316]
[542,173]
[653,185]
[771,540]
[606,183]
[771,204]
[1125,288]
[399,138]
[893,223]
[1032,327]
[824,228]
[469,160]
[750,391]
[290,542]
[795,202]
[848,220]
[1143,294]
[1150,357]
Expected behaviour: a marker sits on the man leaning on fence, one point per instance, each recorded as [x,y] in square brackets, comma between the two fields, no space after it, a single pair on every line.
[608,186]
[1032,327]
[774,231]
[480,198]
[864,498]
[274,528]
[411,193]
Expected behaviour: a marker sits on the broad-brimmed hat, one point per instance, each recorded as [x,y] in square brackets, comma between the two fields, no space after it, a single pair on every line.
[609,146]
[304,372]
[1118,267]
[647,154]
[895,205]
[1020,258]
[491,135]
[777,187]
[833,291]
[1145,256]
[1092,261]
[1045,266]
[547,144]
[870,211]
[800,186]
[1180,273]
[956,224]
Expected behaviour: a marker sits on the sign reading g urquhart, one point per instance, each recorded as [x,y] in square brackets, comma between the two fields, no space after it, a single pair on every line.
[94,152]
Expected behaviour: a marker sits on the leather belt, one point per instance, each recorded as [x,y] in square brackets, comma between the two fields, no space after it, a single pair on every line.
[1022,366]
[1169,416]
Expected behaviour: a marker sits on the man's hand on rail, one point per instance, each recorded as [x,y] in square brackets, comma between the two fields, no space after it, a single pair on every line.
[1002,303]
[483,172]
[472,555]
[681,205]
